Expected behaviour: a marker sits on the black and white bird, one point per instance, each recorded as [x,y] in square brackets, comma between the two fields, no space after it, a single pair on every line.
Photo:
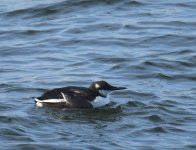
[77,97]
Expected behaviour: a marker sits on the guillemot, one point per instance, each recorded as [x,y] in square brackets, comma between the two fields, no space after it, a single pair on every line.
[77,97]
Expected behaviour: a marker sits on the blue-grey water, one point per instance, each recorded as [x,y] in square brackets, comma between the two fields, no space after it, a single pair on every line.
[147,46]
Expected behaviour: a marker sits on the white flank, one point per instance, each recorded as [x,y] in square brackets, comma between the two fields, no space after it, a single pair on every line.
[99,102]
[39,103]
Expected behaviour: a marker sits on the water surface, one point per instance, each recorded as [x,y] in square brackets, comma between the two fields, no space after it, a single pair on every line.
[147,46]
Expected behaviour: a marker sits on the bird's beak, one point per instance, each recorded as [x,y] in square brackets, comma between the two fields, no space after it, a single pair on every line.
[114,88]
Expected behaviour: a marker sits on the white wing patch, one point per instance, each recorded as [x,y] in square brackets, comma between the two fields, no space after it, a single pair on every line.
[64,98]
[77,91]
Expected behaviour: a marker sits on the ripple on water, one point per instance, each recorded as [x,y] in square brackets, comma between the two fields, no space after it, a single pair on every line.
[59,7]
[16,134]
[104,114]
[135,104]
[156,130]
[155,118]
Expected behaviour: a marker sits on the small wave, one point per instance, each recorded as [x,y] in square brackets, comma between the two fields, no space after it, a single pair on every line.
[169,64]
[66,6]
[132,2]
[159,64]
[5,119]
[26,32]
[102,27]
[166,103]
[187,4]
[131,27]
[111,60]
[157,129]
[16,88]
[178,52]
[135,104]
[167,76]
[137,95]
[104,113]
[16,134]
[171,40]
[171,23]
[175,129]
[190,76]
[191,146]
[33,32]
[128,4]
[35,11]
[155,118]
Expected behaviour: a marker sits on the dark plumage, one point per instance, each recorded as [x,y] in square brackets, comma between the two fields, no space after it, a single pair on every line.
[75,97]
